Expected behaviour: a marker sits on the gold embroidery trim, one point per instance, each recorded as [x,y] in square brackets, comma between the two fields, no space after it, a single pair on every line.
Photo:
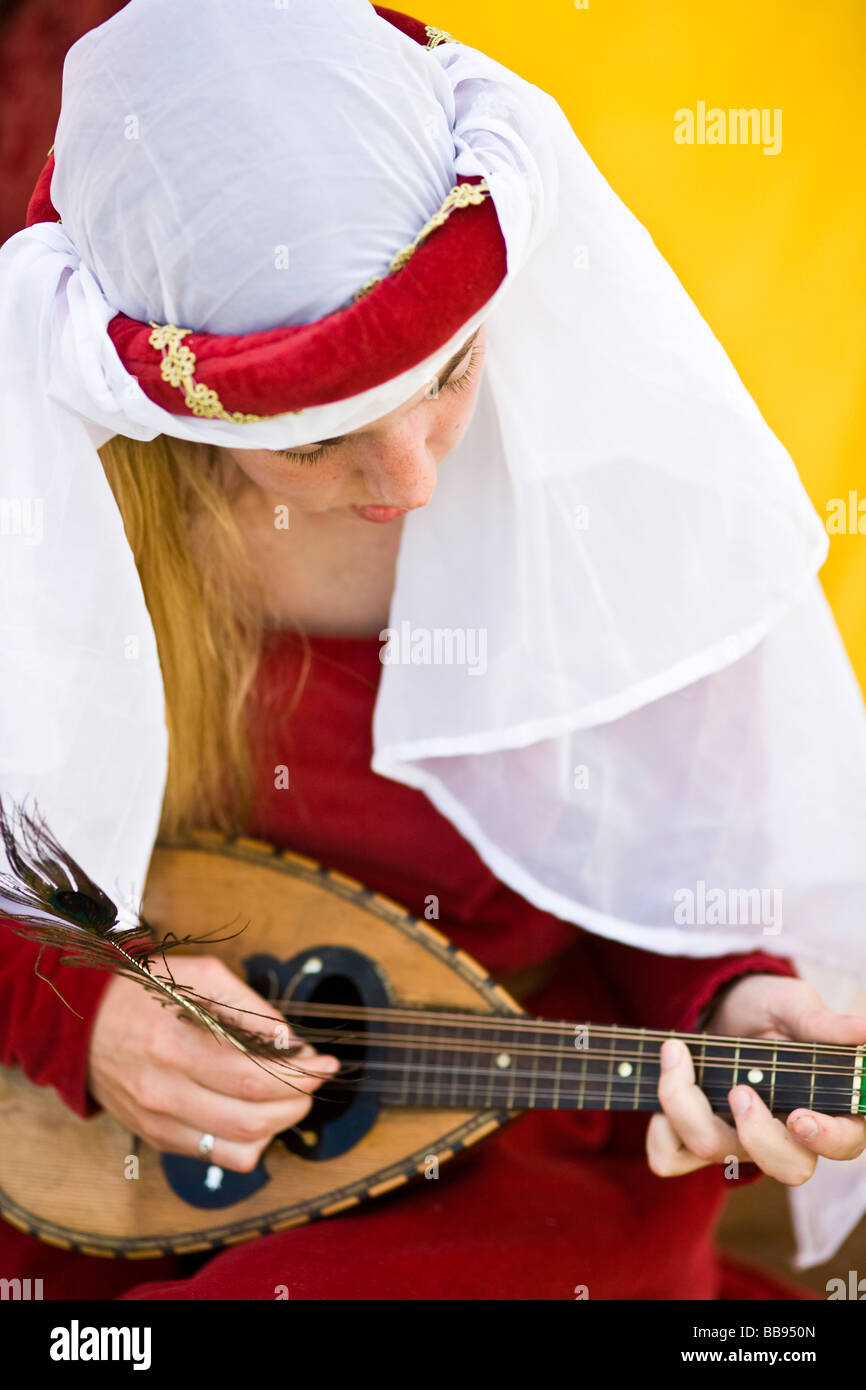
[461,196]
[436,36]
[178,369]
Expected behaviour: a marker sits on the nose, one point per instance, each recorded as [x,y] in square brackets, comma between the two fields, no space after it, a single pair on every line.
[399,469]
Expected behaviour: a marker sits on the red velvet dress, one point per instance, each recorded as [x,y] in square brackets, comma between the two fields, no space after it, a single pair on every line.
[554,1201]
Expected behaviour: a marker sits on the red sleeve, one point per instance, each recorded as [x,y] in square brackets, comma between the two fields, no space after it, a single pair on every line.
[673,991]
[38,1032]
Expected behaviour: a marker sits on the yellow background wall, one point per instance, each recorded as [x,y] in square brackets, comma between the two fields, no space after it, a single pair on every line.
[772,249]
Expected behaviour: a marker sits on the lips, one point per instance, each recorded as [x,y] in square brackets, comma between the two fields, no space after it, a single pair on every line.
[379,513]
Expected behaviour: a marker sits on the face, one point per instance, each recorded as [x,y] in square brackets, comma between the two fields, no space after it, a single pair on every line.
[378,473]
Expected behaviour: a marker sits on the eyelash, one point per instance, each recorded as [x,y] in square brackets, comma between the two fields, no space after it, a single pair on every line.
[306,458]
[459,383]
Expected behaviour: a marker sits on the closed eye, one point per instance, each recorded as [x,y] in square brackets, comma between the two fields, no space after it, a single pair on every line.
[445,382]
[465,379]
[308,457]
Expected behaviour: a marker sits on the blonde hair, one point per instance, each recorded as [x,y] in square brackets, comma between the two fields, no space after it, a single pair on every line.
[206,603]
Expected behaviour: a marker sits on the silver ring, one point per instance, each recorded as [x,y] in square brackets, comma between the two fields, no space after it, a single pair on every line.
[205,1145]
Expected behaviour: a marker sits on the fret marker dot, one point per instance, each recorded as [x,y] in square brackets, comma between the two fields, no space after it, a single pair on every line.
[625,1069]
[754,1076]
[503,1060]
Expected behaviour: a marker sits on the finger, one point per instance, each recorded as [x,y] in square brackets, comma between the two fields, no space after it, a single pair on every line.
[250,1013]
[807,1019]
[239,1121]
[767,1141]
[831,1136]
[219,1066]
[666,1154]
[223,1071]
[216,1064]
[687,1109]
[231,1073]
[173,1137]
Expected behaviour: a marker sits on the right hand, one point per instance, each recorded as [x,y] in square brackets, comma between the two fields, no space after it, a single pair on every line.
[170,1082]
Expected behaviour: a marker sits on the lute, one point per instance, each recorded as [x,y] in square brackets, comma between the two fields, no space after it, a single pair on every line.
[436,1055]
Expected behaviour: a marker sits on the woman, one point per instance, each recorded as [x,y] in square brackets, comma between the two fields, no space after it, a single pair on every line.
[270,576]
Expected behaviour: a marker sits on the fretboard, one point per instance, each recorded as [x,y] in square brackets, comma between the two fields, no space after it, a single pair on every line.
[478,1061]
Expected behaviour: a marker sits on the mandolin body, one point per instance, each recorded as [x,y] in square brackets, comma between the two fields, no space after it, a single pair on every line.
[72,1181]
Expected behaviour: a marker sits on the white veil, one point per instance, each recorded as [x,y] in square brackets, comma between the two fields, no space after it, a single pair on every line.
[611,664]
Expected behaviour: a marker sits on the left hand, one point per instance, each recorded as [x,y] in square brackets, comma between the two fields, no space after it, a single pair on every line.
[687,1134]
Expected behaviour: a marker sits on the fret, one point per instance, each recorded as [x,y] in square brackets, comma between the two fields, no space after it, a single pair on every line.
[624,1070]
[419,1078]
[639,1069]
[384,1072]
[606,1105]
[472,1077]
[488,1063]
[492,1066]
[856,1101]
[584,1057]
[403,1096]
[699,1064]
[457,1055]
[830,1091]
[717,1074]
[753,1061]
[511,1072]
[437,1064]
[560,1044]
[735,1080]
[773,1065]
[449,1064]
[537,1044]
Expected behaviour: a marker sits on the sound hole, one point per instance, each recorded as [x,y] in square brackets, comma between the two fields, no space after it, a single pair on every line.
[344,1110]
